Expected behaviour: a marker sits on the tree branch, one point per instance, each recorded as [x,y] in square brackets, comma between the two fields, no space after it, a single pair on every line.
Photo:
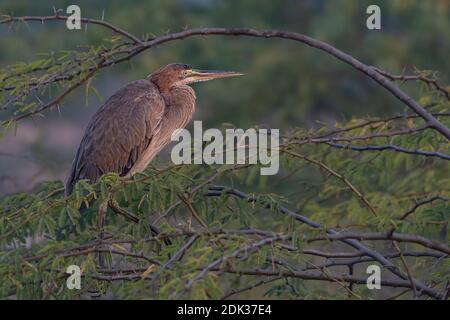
[57,16]
[428,81]
[218,190]
[386,236]
[388,147]
[369,71]
[337,175]
[421,203]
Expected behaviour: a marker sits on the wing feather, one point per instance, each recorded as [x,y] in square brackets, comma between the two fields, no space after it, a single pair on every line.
[118,133]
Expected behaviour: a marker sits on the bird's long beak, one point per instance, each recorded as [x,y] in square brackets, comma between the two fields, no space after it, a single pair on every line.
[205,75]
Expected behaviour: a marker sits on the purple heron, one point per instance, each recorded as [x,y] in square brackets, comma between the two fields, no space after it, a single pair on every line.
[136,122]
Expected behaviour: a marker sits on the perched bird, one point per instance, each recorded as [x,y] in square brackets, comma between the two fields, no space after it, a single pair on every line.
[135,123]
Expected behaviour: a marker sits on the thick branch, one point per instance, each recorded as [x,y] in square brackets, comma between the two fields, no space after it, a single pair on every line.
[367,70]
[371,72]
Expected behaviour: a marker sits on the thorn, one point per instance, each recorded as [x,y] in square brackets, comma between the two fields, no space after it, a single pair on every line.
[56,11]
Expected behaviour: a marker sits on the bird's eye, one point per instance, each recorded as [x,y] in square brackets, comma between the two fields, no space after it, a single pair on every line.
[185,73]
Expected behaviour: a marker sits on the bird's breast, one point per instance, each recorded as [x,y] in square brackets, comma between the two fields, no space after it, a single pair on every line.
[180,106]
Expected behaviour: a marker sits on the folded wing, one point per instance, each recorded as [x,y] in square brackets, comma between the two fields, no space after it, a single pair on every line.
[118,133]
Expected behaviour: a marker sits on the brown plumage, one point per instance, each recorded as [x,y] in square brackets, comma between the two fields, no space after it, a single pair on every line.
[135,123]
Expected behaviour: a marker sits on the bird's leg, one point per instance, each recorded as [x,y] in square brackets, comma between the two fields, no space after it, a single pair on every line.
[102,209]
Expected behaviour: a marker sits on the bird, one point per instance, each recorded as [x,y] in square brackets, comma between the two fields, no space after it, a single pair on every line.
[137,122]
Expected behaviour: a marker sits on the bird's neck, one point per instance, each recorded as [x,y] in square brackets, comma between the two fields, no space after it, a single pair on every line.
[180,96]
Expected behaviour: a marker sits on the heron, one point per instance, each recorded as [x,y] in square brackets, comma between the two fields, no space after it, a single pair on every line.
[137,122]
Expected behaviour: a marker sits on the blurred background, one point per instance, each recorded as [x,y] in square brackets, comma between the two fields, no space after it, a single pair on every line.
[287,84]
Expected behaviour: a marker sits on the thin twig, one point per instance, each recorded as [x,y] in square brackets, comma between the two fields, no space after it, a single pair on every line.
[429,81]
[421,203]
[337,175]
[408,270]
[218,190]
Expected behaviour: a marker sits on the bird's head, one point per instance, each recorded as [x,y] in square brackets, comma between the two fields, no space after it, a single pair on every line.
[178,74]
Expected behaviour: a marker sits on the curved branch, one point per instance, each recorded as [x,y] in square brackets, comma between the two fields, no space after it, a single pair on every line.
[369,71]
[57,16]
[421,203]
